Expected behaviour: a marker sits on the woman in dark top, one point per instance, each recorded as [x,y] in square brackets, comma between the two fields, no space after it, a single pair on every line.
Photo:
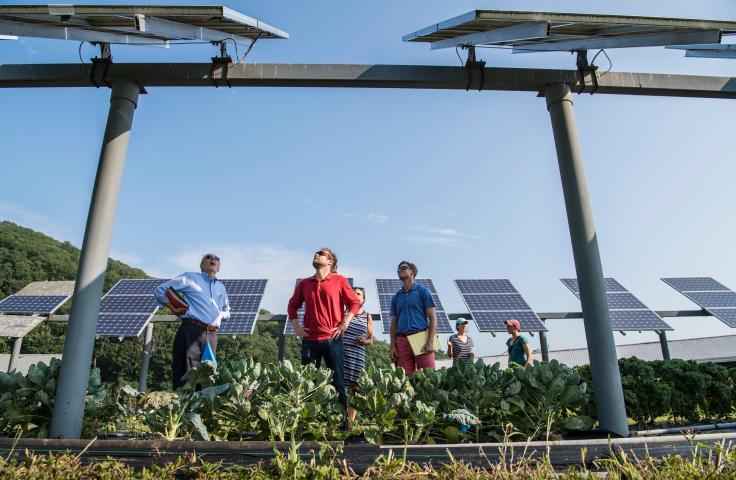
[519,349]
[356,337]
[460,345]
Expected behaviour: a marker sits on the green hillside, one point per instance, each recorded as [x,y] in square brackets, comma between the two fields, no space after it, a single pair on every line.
[27,256]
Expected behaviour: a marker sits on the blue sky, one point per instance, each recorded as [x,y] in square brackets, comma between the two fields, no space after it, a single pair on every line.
[463,183]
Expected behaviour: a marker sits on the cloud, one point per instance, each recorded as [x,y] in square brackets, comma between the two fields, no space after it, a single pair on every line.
[377,218]
[281,266]
[447,232]
[132,259]
[440,236]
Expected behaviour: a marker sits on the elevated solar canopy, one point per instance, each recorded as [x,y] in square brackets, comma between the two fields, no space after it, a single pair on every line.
[627,312]
[387,287]
[133,24]
[710,295]
[719,50]
[493,301]
[18,326]
[288,327]
[548,31]
[129,305]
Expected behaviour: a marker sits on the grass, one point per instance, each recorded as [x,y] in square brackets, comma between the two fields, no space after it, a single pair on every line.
[713,463]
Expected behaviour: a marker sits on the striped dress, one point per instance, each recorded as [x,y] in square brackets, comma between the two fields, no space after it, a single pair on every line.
[355,354]
[460,350]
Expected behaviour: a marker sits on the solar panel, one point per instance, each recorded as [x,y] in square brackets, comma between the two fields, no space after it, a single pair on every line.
[41,304]
[627,313]
[485,286]
[726,315]
[244,303]
[136,286]
[387,287]
[121,324]
[238,324]
[288,327]
[128,304]
[549,31]
[713,299]
[133,24]
[244,287]
[710,295]
[695,284]
[493,301]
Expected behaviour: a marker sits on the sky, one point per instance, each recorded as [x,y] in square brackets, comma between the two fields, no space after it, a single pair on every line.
[464,184]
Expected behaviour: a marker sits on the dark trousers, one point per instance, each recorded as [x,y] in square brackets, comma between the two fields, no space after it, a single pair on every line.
[188,347]
[313,351]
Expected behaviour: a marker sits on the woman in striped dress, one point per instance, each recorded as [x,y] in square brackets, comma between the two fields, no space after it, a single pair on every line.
[356,337]
[460,345]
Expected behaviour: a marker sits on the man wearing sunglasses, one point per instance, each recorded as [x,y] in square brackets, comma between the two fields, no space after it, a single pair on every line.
[330,305]
[207,307]
[412,312]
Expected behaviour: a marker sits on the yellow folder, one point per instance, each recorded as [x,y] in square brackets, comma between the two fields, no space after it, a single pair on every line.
[419,340]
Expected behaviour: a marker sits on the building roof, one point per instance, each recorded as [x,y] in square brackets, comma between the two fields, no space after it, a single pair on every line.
[720,349]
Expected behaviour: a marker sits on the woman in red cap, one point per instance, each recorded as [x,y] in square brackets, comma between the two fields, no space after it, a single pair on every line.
[519,349]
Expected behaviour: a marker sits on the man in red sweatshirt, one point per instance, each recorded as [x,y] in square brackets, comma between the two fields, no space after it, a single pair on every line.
[330,305]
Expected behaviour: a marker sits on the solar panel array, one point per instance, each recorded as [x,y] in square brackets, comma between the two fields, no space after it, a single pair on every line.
[710,295]
[493,301]
[127,307]
[245,301]
[387,287]
[288,327]
[627,312]
[38,304]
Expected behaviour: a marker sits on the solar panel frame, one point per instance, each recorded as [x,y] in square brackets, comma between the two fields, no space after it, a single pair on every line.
[136,286]
[33,304]
[244,303]
[637,320]
[710,300]
[244,286]
[146,304]
[726,315]
[497,285]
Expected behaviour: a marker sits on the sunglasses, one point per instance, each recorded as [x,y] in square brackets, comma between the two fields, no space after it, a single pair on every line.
[403,267]
[212,257]
[322,253]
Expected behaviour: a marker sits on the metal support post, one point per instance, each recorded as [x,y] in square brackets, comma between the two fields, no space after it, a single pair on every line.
[66,421]
[146,357]
[16,353]
[609,396]
[543,346]
[665,346]
[282,342]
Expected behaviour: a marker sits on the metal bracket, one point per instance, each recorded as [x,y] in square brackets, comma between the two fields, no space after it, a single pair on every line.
[100,65]
[471,65]
[223,61]
[585,68]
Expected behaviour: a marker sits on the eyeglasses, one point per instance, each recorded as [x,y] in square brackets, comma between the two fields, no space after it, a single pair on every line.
[322,253]
[212,257]
[403,267]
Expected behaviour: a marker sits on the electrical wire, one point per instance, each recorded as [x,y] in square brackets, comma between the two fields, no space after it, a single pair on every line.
[252,44]
[610,63]
[80,51]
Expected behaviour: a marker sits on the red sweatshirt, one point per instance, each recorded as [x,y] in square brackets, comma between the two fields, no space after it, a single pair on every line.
[325,304]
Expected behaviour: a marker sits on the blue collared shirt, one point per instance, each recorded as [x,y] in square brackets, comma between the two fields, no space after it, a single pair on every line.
[206,296]
[410,308]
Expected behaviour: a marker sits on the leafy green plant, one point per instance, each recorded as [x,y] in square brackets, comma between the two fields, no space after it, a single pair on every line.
[27,401]
[646,395]
[547,397]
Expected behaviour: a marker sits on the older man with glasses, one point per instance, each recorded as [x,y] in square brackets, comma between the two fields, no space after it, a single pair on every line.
[204,306]
[330,305]
[412,313]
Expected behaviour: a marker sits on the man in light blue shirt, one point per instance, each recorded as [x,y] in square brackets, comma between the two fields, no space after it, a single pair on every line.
[208,306]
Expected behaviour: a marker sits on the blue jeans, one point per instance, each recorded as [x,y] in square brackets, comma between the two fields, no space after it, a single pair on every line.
[313,351]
